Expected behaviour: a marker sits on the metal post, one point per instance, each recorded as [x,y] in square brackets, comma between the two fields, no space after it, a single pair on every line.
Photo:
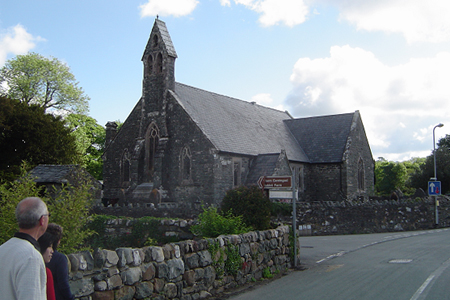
[294,215]
[436,203]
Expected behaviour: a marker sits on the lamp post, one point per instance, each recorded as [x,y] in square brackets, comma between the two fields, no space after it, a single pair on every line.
[436,203]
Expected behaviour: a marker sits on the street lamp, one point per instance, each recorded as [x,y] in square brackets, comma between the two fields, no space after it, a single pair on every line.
[434,149]
[436,203]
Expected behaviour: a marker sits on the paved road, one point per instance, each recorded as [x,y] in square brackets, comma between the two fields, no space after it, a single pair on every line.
[412,265]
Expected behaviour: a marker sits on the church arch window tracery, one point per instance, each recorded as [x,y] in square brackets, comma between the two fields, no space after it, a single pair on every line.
[186,165]
[360,174]
[151,144]
[159,63]
[149,64]
[125,166]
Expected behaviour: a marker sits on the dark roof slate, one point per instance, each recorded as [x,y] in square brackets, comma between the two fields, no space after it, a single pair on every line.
[53,173]
[323,138]
[238,126]
[166,37]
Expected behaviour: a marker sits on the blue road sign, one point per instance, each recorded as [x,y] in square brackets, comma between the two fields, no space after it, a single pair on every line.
[434,188]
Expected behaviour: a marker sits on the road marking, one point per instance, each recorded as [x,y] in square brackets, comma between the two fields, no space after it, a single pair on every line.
[419,294]
[400,261]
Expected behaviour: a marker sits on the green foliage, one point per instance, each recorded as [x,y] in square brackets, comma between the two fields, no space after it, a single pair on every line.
[46,82]
[251,204]
[217,254]
[212,224]
[69,208]
[144,232]
[389,176]
[267,273]
[11,193]
[28,134]
[233,263]
[90,141]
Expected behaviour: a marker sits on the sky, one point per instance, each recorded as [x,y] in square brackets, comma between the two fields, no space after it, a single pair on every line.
[389,59]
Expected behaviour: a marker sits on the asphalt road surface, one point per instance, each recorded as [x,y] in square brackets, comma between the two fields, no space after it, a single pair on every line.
[411,265]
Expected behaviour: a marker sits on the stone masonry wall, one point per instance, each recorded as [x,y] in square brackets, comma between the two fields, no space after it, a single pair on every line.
[184,270]
[356,217]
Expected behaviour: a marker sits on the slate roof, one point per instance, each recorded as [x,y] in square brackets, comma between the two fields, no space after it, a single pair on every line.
[58,173]
[264,164]
[166,37]
[238,126]
[322,138]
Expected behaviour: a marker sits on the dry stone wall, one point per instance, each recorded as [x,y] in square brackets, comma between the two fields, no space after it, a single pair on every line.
[184,270]
[356,217]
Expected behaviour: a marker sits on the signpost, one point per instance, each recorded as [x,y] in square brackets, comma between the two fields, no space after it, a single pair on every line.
[434,188]
[275,182]
[283,184]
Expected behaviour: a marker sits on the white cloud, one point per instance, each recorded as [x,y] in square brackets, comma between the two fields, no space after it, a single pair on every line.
[17,41]
[175,8]
[398,104]
[273,12]
[417,20]
[265,99]
[225,2]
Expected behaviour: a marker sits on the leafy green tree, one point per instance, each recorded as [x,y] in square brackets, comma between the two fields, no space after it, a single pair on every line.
[251,204]
[90,140]
[10,195]
[46,82]
[389,176]
[420,179]
[28,134]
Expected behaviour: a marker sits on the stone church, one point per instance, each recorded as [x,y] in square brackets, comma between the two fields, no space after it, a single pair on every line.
[187,146]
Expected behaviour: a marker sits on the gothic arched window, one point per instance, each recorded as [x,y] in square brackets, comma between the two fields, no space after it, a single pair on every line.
[185,165]
[125,166]
[151,143]
[150,64]
[159,63]
[360,174]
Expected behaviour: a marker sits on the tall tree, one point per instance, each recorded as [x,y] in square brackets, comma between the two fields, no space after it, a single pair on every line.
[47,82]
[90,139]
[28,134]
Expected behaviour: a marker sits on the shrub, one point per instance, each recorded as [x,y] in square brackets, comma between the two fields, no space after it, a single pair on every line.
[212,224]
[69,208]
[251,204]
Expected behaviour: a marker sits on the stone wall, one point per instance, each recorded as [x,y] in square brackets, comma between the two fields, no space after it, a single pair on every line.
[184,270]
[349,217]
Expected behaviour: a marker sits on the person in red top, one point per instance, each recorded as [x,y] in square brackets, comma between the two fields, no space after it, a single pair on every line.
[46,245]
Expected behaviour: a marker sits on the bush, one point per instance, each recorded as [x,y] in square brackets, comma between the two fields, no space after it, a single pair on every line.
[212,224]
[251,204]
[69,208]
[281,209]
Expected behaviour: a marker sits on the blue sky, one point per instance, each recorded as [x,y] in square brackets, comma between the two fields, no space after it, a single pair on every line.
[389,59]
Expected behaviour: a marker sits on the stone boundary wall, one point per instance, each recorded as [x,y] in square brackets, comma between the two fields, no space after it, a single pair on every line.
[356,217]
[183,270]
[167,227]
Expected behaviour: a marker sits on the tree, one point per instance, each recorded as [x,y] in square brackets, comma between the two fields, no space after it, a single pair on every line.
[28,134]
[420,179]
[46,82]
[389,176]
[90,140]
[69,208]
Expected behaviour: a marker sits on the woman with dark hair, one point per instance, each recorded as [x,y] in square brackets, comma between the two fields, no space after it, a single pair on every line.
[46,245]
[59,266]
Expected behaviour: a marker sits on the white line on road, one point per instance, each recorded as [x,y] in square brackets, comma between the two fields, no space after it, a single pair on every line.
[419,293]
